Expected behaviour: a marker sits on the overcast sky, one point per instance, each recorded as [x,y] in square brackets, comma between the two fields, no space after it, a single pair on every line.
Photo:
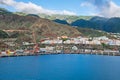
[106,8]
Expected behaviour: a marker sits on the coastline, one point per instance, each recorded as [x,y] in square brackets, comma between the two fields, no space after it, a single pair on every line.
[36,54]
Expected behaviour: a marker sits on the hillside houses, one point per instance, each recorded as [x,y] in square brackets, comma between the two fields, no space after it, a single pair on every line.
[9,41]
[84,40]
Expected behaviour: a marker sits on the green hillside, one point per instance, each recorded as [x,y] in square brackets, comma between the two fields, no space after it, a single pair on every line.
[100,23]
[91,32]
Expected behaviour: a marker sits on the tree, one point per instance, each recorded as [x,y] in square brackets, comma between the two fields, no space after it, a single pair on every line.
[64,38]
[104,46]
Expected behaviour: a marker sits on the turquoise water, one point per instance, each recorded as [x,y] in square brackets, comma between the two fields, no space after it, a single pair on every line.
[60,67]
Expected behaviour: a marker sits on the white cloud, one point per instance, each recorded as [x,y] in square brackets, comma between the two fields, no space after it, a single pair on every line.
[106,8]
[112,10]
[86,4]
[33,8]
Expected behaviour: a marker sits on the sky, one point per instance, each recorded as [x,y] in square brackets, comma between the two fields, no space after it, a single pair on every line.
[105,8]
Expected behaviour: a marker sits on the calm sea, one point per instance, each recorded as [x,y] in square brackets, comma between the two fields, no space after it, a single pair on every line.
[60,67]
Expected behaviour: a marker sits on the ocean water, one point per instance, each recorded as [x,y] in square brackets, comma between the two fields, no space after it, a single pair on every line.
[60,67]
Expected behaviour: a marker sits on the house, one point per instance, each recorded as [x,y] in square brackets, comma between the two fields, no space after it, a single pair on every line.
[101,38]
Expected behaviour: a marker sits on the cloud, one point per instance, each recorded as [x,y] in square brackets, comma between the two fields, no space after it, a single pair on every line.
[86,4]
[105,8]
[112,10]
[33,8]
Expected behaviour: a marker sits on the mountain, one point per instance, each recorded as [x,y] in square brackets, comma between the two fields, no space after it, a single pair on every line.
[112,25]
[4,11]
[43,28]
[68,18]
[94,23]
[22,26]
[99,23]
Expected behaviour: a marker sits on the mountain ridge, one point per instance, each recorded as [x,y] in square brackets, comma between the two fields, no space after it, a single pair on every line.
[43,27]
[100,23]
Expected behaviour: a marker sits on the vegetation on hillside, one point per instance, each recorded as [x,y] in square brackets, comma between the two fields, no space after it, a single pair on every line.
[3,34]
[91,32]
[100,23]
[87,32]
